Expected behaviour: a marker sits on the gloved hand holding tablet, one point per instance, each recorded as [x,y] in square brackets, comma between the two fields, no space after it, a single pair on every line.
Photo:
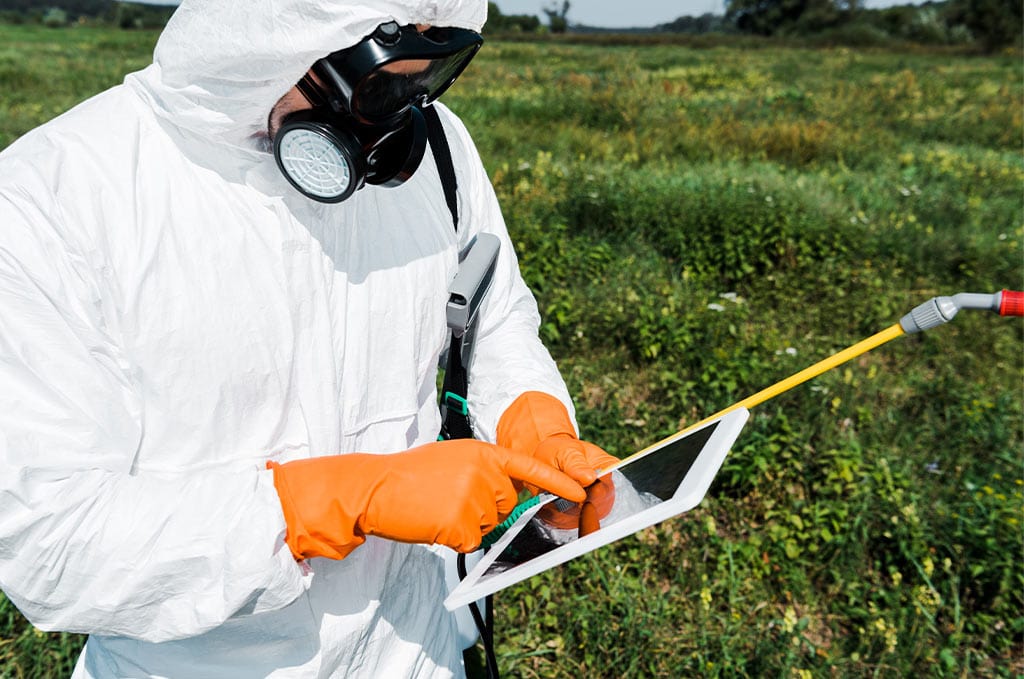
[449,493]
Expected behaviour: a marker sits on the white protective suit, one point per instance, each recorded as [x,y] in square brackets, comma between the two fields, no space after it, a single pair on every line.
[173,315]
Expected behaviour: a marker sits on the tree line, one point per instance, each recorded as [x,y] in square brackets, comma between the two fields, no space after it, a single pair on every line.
[57,13]
[991,24]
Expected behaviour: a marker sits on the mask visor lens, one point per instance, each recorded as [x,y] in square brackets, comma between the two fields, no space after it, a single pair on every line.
[399,84]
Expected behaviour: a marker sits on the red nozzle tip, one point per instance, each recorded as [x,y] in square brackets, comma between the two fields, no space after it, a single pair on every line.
[1012,303]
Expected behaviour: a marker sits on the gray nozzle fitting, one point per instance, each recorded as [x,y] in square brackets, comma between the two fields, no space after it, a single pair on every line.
[939,310]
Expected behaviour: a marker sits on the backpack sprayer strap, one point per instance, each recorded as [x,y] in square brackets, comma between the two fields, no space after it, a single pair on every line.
[443,159]
[467,290]
[454,409]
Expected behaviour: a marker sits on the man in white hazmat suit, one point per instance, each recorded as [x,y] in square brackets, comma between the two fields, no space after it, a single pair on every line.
[218,408]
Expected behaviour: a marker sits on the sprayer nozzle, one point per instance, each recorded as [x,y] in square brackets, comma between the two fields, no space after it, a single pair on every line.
[939,310]
[1011,303]
[936,311]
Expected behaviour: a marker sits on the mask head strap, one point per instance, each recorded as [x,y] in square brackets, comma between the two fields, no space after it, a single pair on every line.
[311,91]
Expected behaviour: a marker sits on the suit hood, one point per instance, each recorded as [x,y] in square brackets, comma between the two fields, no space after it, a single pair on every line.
[219,66]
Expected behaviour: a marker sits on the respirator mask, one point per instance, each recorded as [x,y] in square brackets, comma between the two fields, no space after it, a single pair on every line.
[365,126]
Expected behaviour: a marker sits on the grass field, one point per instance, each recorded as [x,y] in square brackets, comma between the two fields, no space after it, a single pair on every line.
[698,224]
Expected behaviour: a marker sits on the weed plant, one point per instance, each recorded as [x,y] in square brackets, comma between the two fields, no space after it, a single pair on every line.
[698,224]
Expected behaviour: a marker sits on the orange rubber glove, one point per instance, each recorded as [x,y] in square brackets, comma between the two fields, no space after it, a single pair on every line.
[539,425]
[449,493]
[586,518]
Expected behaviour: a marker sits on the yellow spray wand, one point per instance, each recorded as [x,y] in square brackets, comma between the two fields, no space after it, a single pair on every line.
[799,378]
[934,312]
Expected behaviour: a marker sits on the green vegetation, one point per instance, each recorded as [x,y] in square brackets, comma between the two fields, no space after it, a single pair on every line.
[698,224]
[126,15]
[44,72]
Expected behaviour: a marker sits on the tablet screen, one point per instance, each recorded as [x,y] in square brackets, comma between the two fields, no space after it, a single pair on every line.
[638,486]
[660,482]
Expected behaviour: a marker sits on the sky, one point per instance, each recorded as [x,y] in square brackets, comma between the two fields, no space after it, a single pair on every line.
[630,13]
[617,13]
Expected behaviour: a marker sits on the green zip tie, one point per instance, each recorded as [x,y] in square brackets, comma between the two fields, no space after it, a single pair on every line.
[503,527]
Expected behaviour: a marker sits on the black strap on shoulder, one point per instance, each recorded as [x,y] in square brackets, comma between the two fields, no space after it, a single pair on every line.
[454,410]
[443,159]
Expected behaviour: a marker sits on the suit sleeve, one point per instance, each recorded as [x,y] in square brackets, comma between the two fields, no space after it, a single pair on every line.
[87,544]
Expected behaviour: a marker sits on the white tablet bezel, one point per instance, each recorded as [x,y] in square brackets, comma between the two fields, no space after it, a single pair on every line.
[688,495]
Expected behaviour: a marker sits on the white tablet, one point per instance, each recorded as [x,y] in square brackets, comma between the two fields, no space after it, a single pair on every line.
[659,482]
